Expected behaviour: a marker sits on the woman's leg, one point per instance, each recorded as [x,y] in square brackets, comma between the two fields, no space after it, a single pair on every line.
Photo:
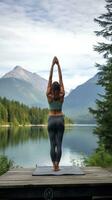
[59,138]
[52,133]
[52,146]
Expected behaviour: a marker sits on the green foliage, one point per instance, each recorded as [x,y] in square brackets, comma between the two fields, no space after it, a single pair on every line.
[68,120]
[103,111]
[105,21]
[15,113]
[5,164]
[99,158]
[3,114]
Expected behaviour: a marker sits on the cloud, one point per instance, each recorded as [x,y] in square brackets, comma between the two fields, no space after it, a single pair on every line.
[32,32]
[69,15]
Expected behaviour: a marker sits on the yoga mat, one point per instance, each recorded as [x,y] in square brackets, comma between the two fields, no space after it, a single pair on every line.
[64,170]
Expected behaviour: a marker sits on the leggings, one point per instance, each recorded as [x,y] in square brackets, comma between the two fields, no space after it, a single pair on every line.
[56,130]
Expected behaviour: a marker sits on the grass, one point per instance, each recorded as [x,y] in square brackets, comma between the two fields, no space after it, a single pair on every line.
[5,164]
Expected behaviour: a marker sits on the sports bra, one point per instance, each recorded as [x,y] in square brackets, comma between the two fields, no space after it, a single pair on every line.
[55,105]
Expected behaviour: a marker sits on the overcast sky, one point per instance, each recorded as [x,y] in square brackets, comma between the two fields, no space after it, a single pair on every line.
[32,32]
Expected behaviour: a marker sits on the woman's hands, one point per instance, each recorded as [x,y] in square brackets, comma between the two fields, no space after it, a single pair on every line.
[49,87]
[55,61]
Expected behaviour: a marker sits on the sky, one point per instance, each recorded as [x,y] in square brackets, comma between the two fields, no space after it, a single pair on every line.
[32,32]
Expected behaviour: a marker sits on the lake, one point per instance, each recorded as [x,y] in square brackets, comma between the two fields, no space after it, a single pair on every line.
[29,146]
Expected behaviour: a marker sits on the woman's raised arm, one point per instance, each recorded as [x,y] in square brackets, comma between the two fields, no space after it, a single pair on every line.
[62,91]
[49,86]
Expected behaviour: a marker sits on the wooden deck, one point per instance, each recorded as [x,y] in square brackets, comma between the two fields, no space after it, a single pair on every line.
[20,184]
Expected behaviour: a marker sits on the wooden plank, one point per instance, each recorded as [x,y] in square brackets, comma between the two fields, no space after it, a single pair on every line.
[24,176]
[19,183]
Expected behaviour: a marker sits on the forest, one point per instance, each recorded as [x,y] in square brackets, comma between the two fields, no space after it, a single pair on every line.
[16,113]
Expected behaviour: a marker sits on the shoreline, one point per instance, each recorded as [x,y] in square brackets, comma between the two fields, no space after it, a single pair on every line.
[42,125]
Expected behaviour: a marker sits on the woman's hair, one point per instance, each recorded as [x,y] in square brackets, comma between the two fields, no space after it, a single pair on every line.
[55,86]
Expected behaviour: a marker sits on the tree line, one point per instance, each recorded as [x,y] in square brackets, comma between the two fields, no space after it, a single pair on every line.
[103,111]
[16,113]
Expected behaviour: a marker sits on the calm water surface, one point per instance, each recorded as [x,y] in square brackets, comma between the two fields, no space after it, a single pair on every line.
[28,146]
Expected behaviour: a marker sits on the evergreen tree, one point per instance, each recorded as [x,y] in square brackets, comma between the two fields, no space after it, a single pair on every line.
[3,114]
[105,21]
[103,111]
[16,113]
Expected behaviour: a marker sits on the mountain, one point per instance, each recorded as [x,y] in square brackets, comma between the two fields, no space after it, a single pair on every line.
[78,101]
[24,86]
[33,78]
[30,89]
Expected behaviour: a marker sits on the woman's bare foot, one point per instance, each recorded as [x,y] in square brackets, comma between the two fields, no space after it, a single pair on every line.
[56,166]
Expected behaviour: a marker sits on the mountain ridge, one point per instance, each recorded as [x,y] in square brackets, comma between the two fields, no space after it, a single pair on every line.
[24,86]
[30,89]
[23,74]
[78,101]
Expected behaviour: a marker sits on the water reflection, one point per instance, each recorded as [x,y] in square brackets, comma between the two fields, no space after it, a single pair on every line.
[16,135]
[29,146]
[80,139]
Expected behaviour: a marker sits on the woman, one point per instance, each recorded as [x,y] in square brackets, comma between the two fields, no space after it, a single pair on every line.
[55,95]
